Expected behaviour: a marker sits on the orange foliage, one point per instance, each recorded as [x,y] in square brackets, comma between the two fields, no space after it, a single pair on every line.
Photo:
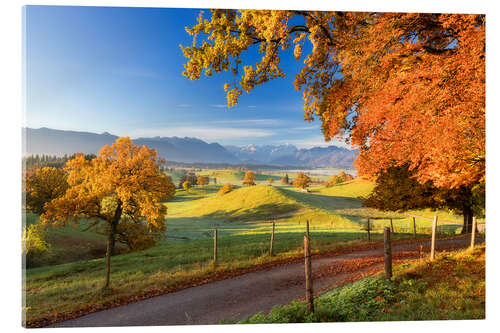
[123,184]
[43,185]
[249,178]
[406,89]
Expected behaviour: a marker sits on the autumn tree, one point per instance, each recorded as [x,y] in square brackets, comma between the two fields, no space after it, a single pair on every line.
[249,178]
[42,186]
[121,188]
[186,185]
[228,187]
[270,181]
[285,180]
[202,180]
[188,177]
[397,189]
[404,88]
[334,180]
[302,181]
[337,179]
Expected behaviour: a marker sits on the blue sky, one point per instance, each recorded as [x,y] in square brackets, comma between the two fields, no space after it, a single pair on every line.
[119,70]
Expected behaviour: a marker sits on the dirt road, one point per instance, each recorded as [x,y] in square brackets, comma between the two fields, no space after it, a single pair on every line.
[259,291]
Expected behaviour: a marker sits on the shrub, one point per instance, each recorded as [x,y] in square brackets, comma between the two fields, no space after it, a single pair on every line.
[33,243]
[226,189]
[186,185]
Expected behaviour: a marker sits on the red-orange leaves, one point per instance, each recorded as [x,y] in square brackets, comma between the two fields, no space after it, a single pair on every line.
[407,89]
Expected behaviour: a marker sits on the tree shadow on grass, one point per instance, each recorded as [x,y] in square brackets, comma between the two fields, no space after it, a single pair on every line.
[261,212]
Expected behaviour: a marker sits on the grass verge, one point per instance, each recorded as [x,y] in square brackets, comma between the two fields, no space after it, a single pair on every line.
[450,288]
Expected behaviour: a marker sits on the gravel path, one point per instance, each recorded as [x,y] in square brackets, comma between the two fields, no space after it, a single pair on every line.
[244,295]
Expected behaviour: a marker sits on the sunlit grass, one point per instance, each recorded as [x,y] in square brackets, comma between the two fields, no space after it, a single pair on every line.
[242,218]
[450,288]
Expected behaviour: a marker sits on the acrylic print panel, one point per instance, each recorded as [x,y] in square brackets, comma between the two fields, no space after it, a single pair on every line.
[187,167]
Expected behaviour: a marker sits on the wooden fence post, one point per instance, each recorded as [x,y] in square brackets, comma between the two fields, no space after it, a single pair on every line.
[272,241]
[307,228]
[392,227]
[387,253]
[433,239]
[368,229]
[414,228]
[215,246]
[473,235]
[308,273]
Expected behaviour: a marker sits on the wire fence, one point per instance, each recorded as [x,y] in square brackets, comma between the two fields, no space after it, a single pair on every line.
[273,238]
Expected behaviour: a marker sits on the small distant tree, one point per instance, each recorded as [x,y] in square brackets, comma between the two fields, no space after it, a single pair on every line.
[302,181]
[188,177]
[44,185]
[270,181]
[285,180]
[342,177]
[202,180]
[182,180]
[186,185]
[121,189]
[191,177]
[249,178]
[334,180]
[226,189]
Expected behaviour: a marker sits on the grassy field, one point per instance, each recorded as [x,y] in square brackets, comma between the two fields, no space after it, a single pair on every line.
[450,288]
[68,244]
[242,216]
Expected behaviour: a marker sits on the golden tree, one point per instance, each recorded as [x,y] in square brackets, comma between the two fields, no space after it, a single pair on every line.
[186,185]
[228,187]
[44,185]
[270,181]
[202,180]
[122,187]
[249,178]
[302,181]
[405,88]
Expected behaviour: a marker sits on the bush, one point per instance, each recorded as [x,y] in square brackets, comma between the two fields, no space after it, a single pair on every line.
[33,243]
[226,189]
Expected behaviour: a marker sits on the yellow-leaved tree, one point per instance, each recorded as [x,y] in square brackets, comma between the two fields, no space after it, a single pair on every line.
[249,178]
[120,191]
[42,186]
[302,181]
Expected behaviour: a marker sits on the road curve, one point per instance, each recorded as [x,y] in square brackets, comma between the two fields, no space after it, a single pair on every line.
[238,297]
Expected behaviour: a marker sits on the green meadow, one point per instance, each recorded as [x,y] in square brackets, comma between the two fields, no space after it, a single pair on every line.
[69,278]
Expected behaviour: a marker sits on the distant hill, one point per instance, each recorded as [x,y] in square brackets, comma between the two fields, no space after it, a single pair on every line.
[57,142]
[188,150]
[331,156]
[261,153]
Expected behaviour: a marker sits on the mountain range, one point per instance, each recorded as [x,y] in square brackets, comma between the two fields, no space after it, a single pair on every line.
[188,150]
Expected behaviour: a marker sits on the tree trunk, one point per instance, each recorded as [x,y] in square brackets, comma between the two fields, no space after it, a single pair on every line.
[111,238]
[110,249]
[467,213]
